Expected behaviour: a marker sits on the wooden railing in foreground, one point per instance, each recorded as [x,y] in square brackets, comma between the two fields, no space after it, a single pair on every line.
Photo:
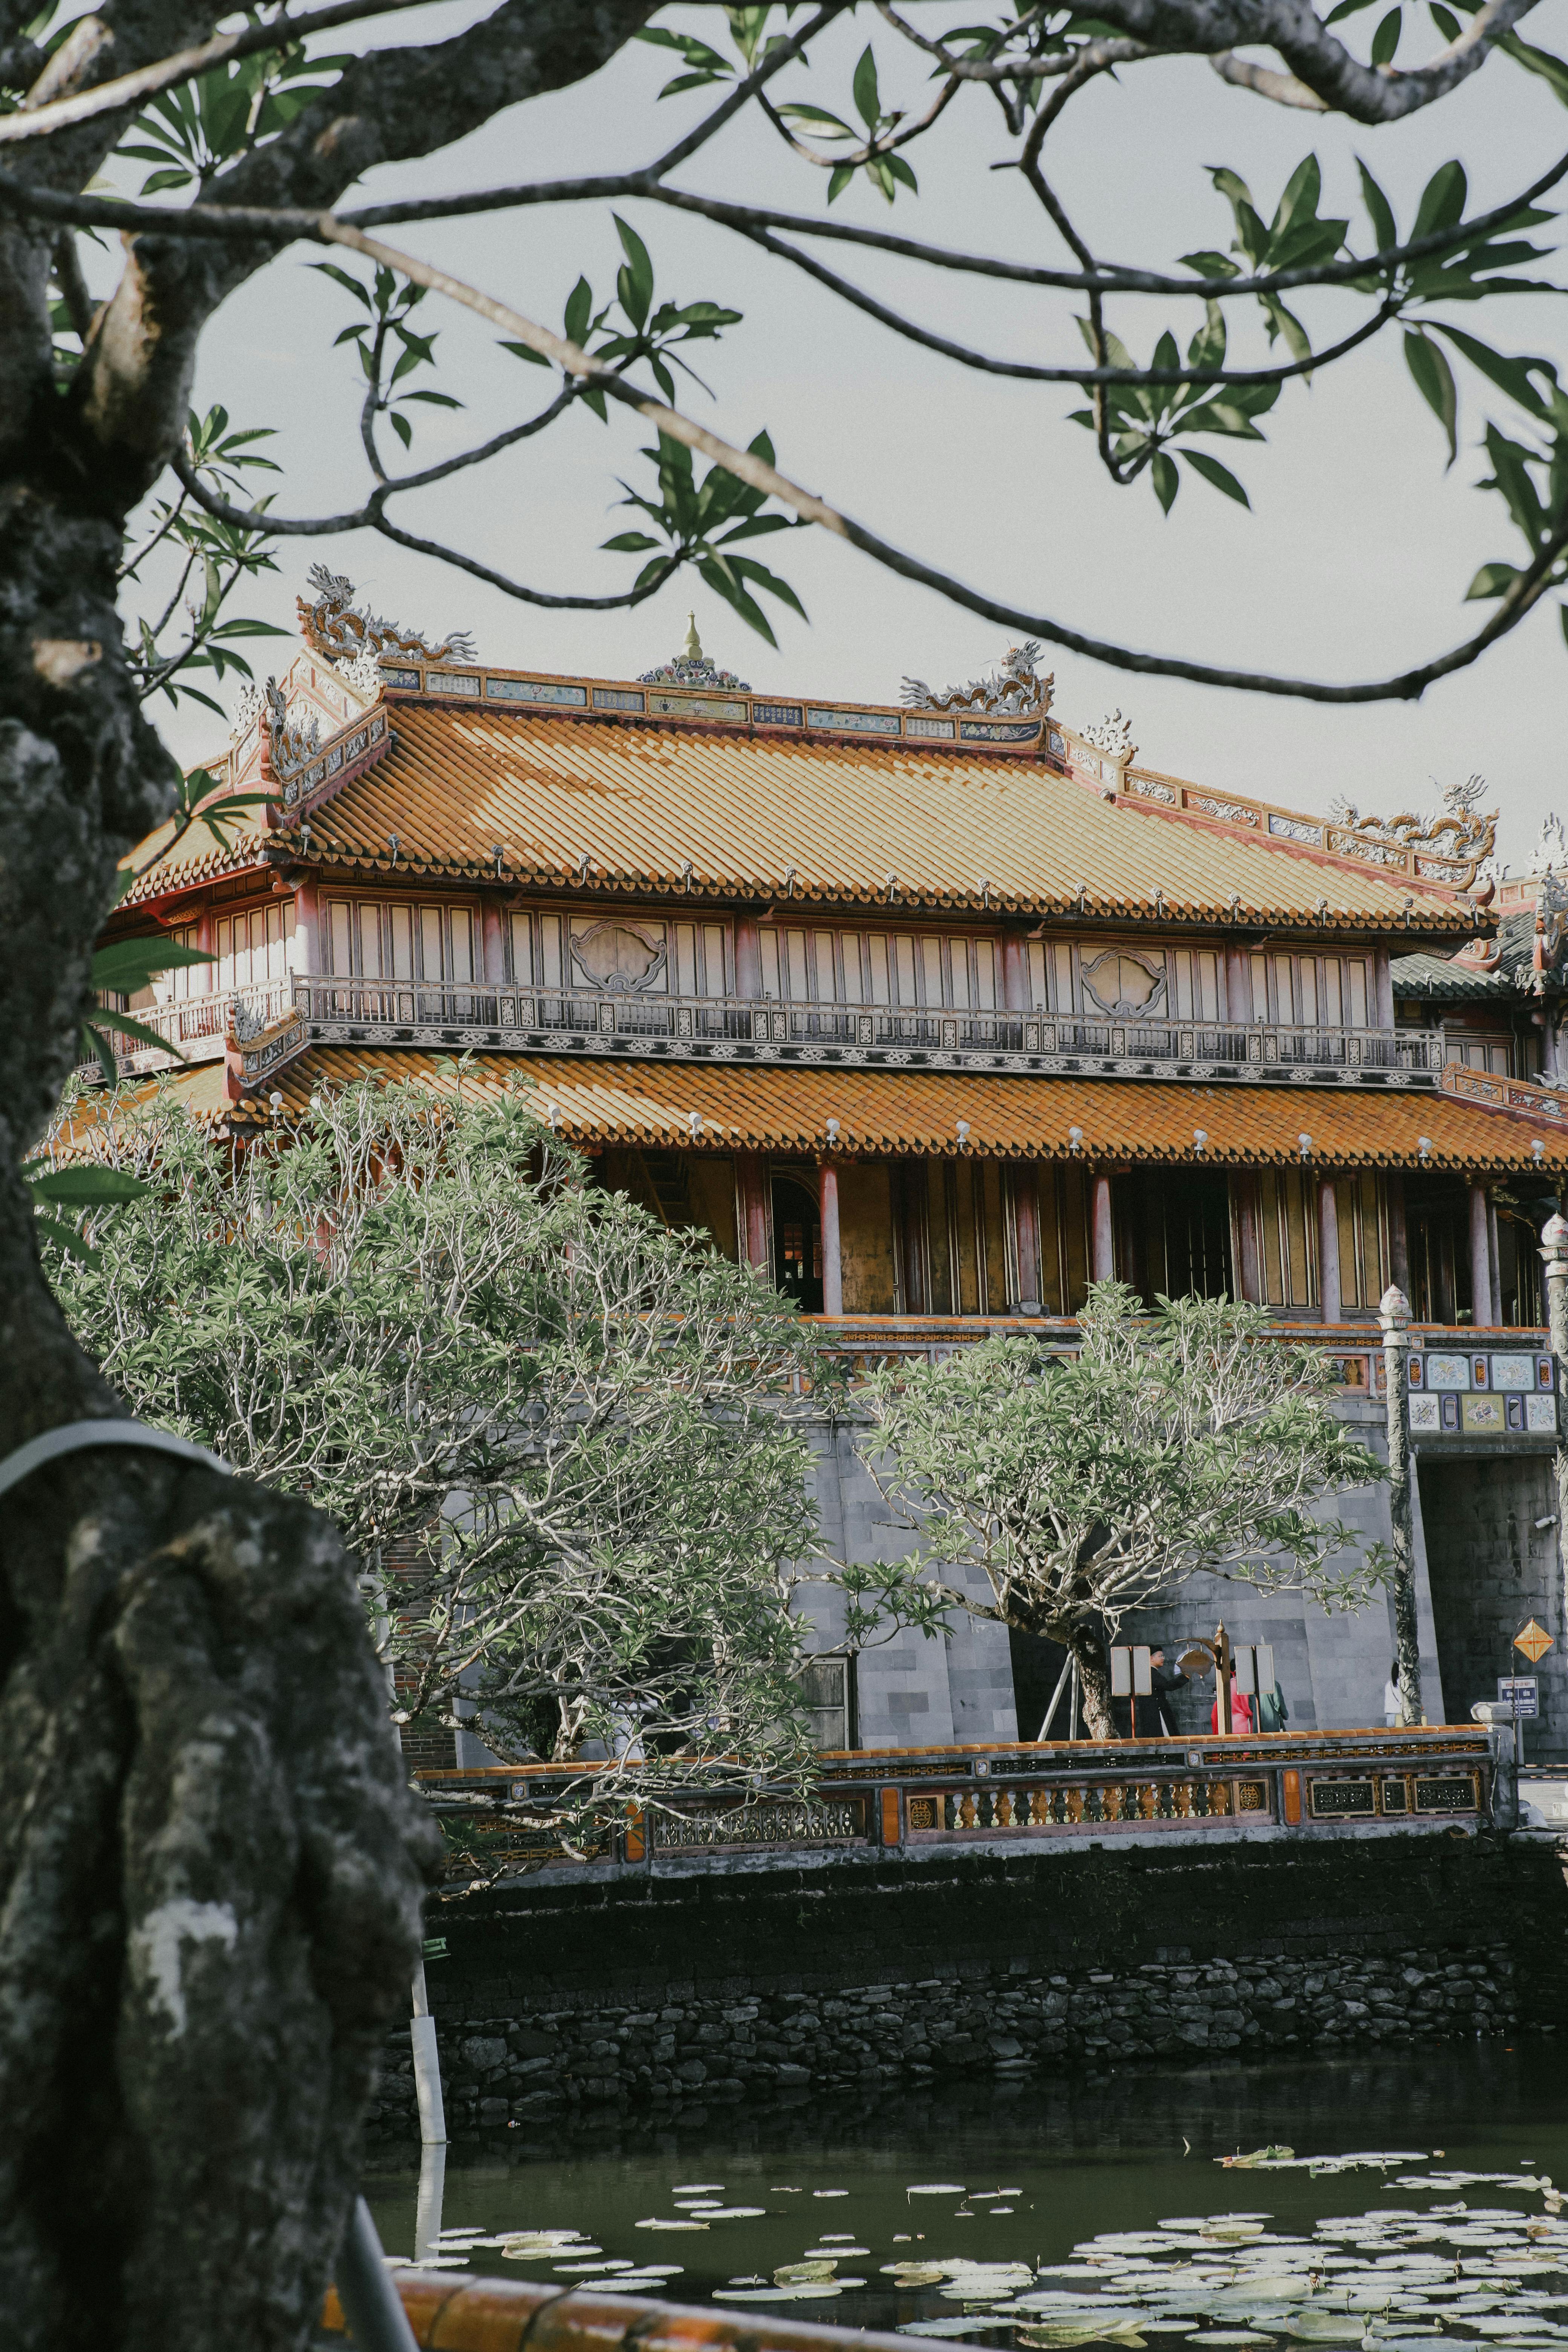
[485,2315]
[900,1799]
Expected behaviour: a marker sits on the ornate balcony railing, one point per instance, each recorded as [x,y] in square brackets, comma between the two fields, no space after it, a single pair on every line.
[197,1027]
[515,1019]
[907,1798]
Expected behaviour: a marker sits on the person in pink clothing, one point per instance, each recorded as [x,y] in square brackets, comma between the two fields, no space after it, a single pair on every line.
[1240,1711]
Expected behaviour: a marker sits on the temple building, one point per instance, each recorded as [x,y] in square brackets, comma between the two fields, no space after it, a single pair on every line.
[936,1009]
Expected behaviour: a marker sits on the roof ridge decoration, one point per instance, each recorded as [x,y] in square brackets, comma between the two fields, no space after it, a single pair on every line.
[692,666]
[1549,855]
[1462,834]
[291,743]
[1015,687]
[338,628]
[1113,736]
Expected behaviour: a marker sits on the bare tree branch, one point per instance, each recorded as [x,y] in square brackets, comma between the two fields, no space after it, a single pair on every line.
[1524,592]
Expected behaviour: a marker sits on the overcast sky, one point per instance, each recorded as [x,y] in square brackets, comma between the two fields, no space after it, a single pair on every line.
[1352,563]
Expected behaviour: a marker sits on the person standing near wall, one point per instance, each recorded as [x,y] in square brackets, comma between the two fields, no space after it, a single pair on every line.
[1391,1695]
[1164,1684]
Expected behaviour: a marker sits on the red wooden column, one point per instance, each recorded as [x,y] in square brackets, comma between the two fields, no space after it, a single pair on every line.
[832,1262]
[1249,1270]
[1398,1237]
[1103,1233]
[1027,1227]
[493,922]
[752,1219]
[1329,1251]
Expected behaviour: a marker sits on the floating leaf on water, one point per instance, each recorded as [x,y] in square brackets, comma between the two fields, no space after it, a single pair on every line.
[936,2189]
[914,2273]
[830,2192]
[1260,2156]
[1059,2339]
[698,2189]
[1324,2327]
[668,2225]
[773,2294]
[440,2263]
[737,2212]
[945,2326]
[797,2273]
[832,2253]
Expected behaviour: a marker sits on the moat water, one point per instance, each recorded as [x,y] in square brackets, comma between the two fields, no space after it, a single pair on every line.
[1055,2214]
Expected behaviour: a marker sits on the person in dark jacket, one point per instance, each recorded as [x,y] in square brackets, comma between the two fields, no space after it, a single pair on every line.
[1158,1713]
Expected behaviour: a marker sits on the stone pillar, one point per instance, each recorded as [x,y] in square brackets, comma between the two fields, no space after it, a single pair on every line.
[1554,1258]
[1103,1264]
[1394,1313]
[1329,1251]
[753,1220]
[1026,1224]
[1480,1258]
[1494,1269]
[832,1262]
[1398,1237]
[1548,1019]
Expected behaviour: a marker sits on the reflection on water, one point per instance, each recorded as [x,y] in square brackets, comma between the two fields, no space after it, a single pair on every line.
[949,2211]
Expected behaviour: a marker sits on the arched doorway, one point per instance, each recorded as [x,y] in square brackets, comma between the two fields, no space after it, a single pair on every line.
[797,1244]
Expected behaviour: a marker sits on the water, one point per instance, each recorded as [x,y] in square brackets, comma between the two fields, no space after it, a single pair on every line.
[995,2185]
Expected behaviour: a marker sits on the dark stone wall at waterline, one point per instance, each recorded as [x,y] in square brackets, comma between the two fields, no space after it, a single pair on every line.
[660,1993]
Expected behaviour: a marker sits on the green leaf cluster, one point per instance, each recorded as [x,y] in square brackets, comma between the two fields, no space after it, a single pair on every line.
[388,303]
[701,524]
[190,134]
[1143,420]
[642,332]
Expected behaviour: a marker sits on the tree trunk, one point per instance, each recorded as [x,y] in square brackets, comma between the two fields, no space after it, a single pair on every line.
[211,1869]
[1094,1680]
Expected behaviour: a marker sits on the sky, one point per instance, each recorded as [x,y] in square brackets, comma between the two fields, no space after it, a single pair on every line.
[1352,563]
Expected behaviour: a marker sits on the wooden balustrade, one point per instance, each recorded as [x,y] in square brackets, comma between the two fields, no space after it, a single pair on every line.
[1323,1784]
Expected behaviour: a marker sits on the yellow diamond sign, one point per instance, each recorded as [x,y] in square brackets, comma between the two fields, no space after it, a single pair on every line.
[1534,1641]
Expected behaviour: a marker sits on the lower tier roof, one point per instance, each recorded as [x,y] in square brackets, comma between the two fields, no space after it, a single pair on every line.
[918,1113]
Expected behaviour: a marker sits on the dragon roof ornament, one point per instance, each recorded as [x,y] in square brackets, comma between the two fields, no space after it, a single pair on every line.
[1015,687]
[691,666]
[292,742]
[337,629]
[1458,830]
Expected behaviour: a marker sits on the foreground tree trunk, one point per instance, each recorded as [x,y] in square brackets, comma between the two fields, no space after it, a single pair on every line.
[211,1868]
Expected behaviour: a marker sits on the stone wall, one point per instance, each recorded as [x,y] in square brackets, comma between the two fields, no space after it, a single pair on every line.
[560,1997]
[1493,1566]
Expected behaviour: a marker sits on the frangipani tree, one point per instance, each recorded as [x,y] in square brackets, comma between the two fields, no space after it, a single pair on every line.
[1085,1486]
[565,1444]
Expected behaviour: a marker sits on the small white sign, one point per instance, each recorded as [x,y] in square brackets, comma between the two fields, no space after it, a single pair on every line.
[1521,1693]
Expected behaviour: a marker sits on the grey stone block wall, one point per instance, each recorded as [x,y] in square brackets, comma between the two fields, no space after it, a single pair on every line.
[1331,1665]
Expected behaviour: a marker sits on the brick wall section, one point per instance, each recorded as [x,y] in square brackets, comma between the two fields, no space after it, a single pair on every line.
[672,1991]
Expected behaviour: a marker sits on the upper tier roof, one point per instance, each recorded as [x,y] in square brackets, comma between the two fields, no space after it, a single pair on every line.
[606,800]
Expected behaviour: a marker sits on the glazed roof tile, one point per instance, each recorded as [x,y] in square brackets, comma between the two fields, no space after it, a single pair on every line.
[723,813]
[916,1112]
[1444,979]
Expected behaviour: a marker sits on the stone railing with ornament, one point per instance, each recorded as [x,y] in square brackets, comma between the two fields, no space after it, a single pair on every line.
[905,1800]
[1443,855]
[1544,1105]
[197,1028]
[641,1024]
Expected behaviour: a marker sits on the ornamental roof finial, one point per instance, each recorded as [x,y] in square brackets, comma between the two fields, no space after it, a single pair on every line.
[692,648]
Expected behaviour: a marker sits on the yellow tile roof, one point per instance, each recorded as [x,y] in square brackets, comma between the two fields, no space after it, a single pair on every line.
[758,817]
[787,1111]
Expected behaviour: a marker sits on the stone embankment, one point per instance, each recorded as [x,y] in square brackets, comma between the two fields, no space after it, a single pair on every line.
[969,2021]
